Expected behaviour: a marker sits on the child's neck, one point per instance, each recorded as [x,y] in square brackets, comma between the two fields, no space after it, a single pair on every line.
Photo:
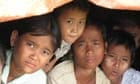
[14,72]
[117,81]
[85,76]
[65,42]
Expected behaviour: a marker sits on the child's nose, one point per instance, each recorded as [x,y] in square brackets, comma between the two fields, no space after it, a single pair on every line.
[89,49]
[35,55]
[74,29]
[117,63]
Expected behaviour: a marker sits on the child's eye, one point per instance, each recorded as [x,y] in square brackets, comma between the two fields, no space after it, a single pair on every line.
[46,53]
[69,21]
[125,59]
[81,44]
[96,44]
[112,56]
[82,22]
[30,44]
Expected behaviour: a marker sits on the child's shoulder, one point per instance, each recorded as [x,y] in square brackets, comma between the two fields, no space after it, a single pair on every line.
[65,67]
[101,77]
[131,76]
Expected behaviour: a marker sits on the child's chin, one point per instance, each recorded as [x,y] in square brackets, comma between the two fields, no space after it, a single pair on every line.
[29,71]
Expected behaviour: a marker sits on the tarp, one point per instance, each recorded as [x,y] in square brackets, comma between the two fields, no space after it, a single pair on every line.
[15,9]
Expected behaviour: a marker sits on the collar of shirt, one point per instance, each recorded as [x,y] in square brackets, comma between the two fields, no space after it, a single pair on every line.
[64,48]
[7,66]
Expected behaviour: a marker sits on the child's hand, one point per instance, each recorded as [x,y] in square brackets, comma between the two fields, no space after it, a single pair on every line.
[50,65]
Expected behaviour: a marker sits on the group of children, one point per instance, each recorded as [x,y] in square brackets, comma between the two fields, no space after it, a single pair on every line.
[38,42]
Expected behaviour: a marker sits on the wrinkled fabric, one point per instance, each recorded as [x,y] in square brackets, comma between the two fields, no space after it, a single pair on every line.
[15,9]
[131,76]
[64,48]
[38,77]
[64,73]
[118,4]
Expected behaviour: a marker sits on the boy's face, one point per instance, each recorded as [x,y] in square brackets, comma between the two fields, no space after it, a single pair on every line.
[72,23]
[116,62]
[89,49]
[31,53]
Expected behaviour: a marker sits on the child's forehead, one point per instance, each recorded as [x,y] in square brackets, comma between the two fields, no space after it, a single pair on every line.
[119,49]
[73,10]
[120,46]
[91,33]
[38,39]
[94,28]
[73,14]
[35,36]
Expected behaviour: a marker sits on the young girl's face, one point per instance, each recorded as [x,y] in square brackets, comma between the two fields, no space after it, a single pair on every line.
[89,49]
[31,53]
[72,23]
[116,62]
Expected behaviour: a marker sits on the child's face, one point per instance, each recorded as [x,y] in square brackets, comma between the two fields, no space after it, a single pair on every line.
[116,62]
[89,49]
[32,52]
[72,23]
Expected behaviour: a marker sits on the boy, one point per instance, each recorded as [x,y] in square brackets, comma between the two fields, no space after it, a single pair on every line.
[119,58]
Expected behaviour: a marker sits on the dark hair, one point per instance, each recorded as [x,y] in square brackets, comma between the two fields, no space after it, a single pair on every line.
[125,22]
[2,53]
[136,63]
[37,26]
[82,5]
[98,24]
[120,37]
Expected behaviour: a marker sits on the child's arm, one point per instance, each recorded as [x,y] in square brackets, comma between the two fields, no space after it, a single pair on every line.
[50,65]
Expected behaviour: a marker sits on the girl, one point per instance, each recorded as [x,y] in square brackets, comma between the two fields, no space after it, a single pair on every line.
[33,44]
[69,21]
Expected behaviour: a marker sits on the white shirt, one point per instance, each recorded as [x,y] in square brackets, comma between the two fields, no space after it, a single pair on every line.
[38,77]
[64,48]
[131,76]
[63,73]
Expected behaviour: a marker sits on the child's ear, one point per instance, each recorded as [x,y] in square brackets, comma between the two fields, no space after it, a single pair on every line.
[106,45]
[13,37]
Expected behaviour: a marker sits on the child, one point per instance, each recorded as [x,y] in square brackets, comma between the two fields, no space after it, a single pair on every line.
[132,26]
[119,58]
[88,52]
[70,21]
[33,45]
